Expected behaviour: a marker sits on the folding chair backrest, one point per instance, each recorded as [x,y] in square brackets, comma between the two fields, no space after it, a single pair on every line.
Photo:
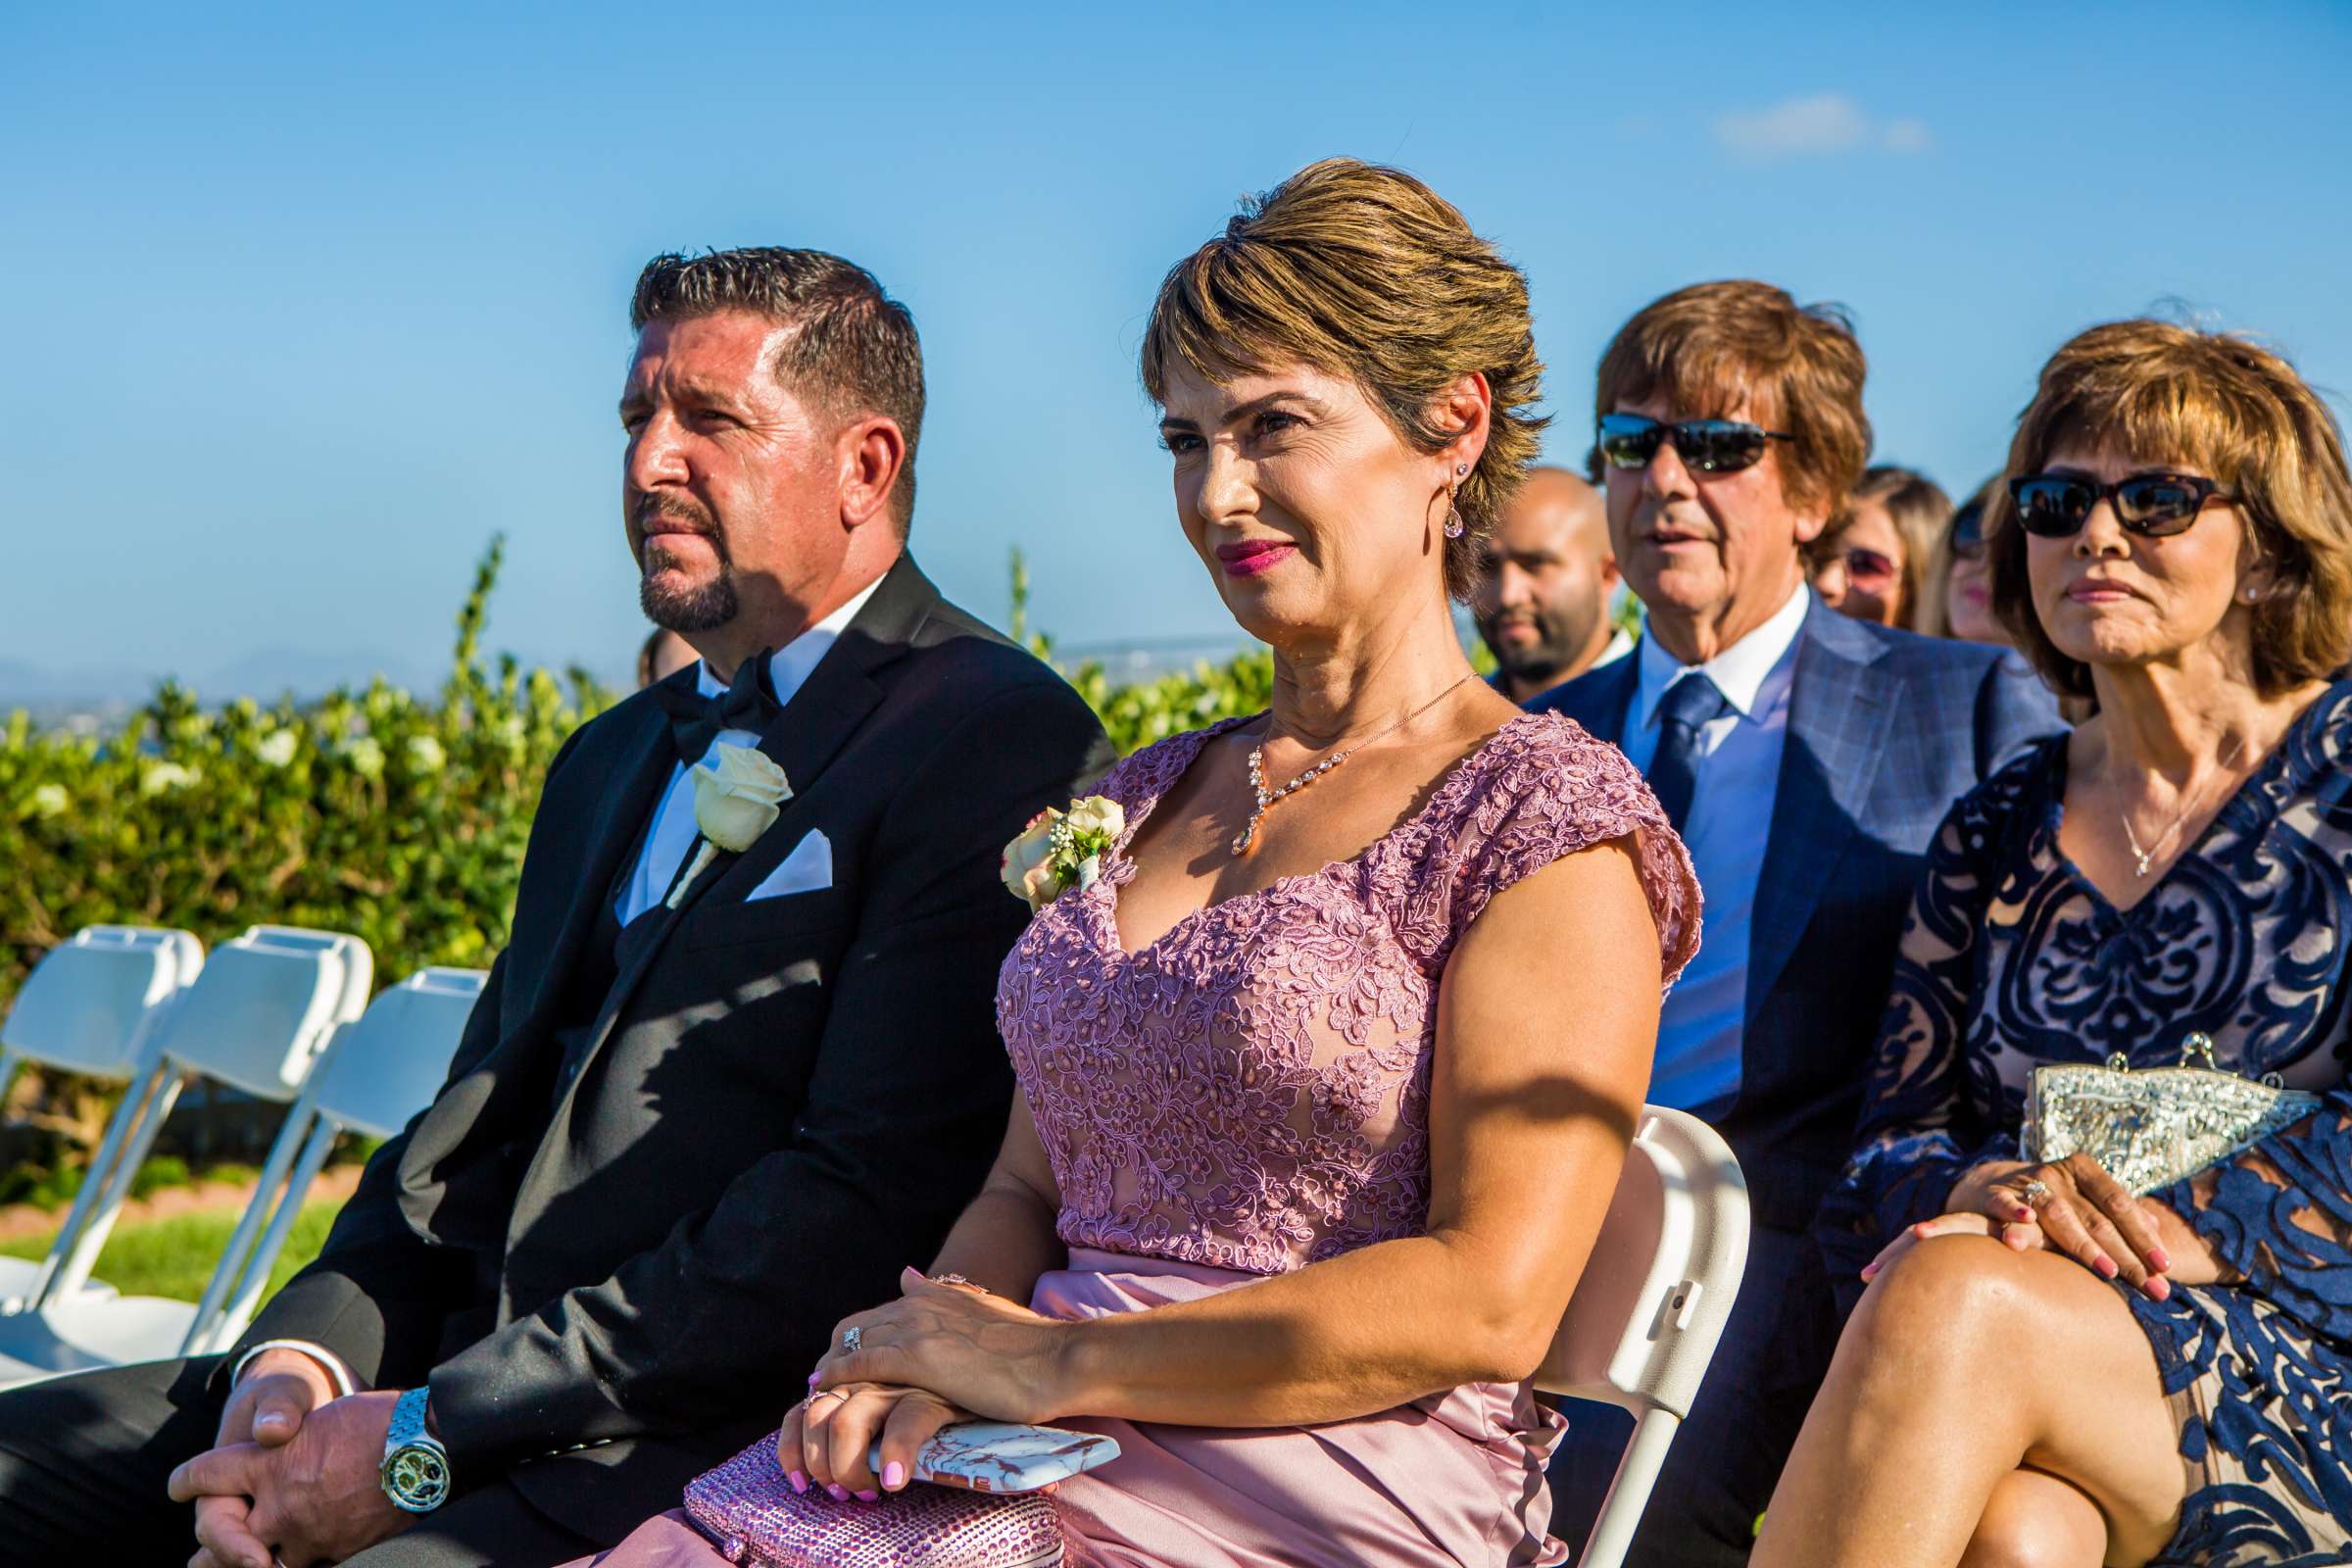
[379,1072]
[1651,1304]
[90,1004]
[1659,1285]
[388,1066]
[266,1005]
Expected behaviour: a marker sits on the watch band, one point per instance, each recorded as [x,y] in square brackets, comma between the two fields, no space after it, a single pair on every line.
[416,1470]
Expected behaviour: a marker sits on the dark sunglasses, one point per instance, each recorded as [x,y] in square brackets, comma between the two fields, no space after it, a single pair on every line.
[1867,566]
[2153,506]
[1710,446]
[1968,530]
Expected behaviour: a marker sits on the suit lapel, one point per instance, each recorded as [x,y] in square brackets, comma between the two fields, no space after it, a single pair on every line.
[1599,700]
[1837,718]
[822,715]
[618,820]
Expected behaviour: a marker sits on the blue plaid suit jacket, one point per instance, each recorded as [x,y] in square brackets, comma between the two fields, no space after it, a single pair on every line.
[1885,731]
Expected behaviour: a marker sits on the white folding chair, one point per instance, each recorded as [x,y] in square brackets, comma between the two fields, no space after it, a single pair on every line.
[90,1007]
[1651,1304]
[255,1019]
[379,1072]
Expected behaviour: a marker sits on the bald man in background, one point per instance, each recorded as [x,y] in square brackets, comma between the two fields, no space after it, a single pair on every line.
[1542,601]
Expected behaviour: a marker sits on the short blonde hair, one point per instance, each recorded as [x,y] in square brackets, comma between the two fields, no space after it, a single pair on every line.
[1362,270]
[1706,347]
[2159,393]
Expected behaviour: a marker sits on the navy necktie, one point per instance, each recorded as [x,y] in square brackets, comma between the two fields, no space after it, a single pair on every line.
[695,720]
[1674,769]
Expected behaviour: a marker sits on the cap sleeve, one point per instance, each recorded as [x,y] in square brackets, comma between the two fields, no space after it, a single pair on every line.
[1552,792]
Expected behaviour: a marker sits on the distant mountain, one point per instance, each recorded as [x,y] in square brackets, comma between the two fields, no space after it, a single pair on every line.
[263,675]
[23,685]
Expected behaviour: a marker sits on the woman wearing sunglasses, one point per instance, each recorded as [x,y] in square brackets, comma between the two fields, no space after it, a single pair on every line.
[1872,563]
[2046,1367]
[1956,600]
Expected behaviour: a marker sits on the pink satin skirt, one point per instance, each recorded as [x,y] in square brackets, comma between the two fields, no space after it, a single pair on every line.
[1456,1479]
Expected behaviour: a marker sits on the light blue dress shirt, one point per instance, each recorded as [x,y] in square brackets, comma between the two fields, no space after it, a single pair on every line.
[1698,1067]
[671,837]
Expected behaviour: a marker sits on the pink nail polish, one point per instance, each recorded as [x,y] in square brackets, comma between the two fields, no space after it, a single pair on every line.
[893,1476]
[840,1494]
[2160,1261]
[1869,1269]
[813,1376]
[2159,1289]
[2104,1266]
[869,1496]
[798,1480]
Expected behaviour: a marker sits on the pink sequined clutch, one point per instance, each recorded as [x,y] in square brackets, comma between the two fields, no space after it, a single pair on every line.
[748,1508]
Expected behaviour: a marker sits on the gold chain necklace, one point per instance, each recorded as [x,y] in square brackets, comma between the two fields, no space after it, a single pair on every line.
[1266,798]
[2147,856]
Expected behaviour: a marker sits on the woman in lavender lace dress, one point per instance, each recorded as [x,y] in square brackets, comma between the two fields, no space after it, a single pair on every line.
[1314,1133]
[2167,1381]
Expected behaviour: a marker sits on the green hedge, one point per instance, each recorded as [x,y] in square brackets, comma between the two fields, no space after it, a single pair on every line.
[396,817]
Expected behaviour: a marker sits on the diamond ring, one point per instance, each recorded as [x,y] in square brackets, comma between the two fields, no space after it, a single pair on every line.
[2036,1193]
[850,1338]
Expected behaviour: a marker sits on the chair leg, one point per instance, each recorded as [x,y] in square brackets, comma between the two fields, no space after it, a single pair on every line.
[1628,1492]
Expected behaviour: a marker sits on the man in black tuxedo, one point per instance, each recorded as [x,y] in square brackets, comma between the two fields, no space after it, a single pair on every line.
[696,1119]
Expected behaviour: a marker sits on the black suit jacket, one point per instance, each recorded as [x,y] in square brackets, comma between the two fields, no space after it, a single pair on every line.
[782,1103]
[1885,731]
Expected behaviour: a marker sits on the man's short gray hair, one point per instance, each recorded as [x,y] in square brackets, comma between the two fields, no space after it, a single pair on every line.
[855,351]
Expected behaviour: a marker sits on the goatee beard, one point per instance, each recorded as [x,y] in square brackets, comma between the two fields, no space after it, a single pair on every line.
[705,607]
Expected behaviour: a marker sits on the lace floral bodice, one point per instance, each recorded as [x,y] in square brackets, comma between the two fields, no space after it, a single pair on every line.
[1250,1090]
[2012,959]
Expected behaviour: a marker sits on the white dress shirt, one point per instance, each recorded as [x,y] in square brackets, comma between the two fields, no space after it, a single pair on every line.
[1620,644]
[1738,773]
[673,833]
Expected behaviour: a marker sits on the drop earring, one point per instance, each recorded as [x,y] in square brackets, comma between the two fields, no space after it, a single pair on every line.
[1455,526]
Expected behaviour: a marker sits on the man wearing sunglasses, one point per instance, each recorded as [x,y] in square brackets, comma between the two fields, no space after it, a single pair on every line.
[1806,758]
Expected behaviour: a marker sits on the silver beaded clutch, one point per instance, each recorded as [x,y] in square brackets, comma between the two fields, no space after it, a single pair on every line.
[2151,1127]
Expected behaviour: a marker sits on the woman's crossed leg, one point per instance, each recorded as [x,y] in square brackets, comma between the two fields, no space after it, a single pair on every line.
[1986,1406]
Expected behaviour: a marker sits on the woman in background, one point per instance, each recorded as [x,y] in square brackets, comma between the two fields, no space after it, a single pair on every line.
[1956,600]
[1873,562]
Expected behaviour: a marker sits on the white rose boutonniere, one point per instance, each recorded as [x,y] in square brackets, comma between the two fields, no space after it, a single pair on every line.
[1061,850]
[738,792]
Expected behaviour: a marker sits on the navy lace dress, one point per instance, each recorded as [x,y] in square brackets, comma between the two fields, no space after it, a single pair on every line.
[2012,959]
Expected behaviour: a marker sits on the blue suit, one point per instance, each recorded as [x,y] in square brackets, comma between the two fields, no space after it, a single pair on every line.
[1885,731]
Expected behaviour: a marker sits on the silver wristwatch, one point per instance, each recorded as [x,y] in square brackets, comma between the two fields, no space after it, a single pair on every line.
[416,1470]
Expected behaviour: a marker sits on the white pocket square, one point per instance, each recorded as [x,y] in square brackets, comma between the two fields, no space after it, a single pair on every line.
[808,869]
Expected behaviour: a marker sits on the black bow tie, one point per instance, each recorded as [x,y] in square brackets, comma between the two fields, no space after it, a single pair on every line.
[695,720]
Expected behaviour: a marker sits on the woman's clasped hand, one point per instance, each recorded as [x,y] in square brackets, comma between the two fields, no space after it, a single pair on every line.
[2073,1206]
[945,1351]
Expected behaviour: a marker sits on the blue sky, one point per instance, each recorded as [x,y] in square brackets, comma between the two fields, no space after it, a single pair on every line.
[306,303]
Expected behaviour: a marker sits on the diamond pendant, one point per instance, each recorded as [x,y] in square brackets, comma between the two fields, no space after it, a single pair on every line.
[2143,864]
[1241,842]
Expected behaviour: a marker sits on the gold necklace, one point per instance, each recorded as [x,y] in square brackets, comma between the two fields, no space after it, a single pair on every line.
[1266,798]
[2143,858]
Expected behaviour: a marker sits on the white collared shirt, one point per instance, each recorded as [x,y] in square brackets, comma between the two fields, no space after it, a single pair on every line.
[1620,644]
[1738,775]
[671,837]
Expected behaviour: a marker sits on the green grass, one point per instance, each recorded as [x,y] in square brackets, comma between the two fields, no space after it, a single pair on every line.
[175,1256]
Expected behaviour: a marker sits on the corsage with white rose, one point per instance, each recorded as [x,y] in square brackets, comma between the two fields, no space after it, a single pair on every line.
[1063,850]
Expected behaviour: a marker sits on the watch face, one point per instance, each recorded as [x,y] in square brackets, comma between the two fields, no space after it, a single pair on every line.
[416,1476]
